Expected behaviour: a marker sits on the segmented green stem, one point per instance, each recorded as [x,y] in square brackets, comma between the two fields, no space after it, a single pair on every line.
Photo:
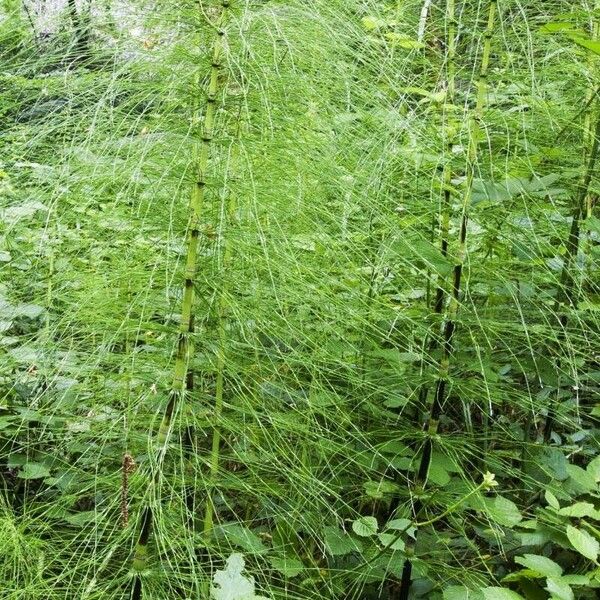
[221,365]
[181,375]
[567,296]
[441,387]
[184,346]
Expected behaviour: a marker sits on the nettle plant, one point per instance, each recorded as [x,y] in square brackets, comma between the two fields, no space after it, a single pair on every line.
[562,541]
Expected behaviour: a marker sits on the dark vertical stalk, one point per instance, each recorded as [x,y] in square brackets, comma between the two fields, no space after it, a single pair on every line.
[567,296]
[81,31]
[443,219]
[440,395]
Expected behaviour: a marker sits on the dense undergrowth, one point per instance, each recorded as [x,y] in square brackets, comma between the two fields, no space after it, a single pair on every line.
[311,281]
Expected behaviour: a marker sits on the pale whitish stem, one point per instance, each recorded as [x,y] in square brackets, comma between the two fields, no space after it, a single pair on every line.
[423,20]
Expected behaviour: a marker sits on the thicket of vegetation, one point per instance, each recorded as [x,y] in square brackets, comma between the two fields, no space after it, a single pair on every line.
[300,299]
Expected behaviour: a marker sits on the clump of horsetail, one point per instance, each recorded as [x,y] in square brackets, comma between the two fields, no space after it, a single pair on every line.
[441,386]
[181,375]
[442,219]
[567,293]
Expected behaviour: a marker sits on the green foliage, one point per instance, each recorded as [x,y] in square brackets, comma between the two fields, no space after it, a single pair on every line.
[569,533]
[339,173]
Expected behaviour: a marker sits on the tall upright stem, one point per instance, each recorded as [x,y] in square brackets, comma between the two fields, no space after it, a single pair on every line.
[184,347]
[567,294]
[181,372]
[441,388]
[444,212]
[221,366]
[80,30]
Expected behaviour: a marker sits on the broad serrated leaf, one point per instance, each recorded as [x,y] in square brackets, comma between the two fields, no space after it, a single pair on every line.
[594,468]
[371,23]
[438,474]
[503,511]
[553,461]
[339,543]
[551,499]
[365,526]
[583,542]
[498,593]
[378,489]
[579,510]
[559,589]
[576,579]
[241,536]
[392,541]
[582,479]
[288,567]
[81,519]
[543,566]
[34,470]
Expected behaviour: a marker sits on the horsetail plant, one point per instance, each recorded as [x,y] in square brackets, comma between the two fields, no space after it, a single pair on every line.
[567,293]
[443,216]
[184,347]
[328,299]
[226,259]
[441,387]
[591,115]
[182,377]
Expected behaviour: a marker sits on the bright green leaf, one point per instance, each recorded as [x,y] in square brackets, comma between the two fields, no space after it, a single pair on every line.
[339,543]
[583,542]
[540,564]
[288,567]
[365,526]
[559,589]
[503,511]
[34,470]
[377,489]
[587,43]
[372,23]
[594,468]
[437,474]
[582,479]
[241,536]
[403,41]
[557,27]
[576,579]
[392,540]
[81,519]
[551,499]
[498,593]
[579,510]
